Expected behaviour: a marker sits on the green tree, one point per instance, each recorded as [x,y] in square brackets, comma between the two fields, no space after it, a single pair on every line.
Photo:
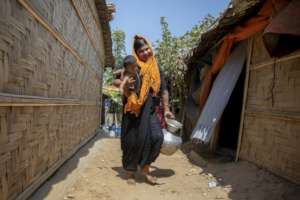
[118,38]
[168,56]
[119,52]
[171,51]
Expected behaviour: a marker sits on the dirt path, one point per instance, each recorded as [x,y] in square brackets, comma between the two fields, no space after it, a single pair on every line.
[95,173]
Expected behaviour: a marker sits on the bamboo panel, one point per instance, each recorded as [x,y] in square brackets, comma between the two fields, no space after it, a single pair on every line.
[81,51]
[272,116]
[273,143]
[26,194]
[275,60]
[274,87]
[64,19]
[35,138]
[260,53]
[34,63]
[90,25]
[49,97]
[92,7]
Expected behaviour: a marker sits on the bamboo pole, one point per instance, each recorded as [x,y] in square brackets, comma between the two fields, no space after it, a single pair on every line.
[246,85]
[284,117]
[85,27]
[13,100]
[275,60]
[96,18]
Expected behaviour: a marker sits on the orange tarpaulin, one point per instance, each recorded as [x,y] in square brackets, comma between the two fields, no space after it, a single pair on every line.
[254,25]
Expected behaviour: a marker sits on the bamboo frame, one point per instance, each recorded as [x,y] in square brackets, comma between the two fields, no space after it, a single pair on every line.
[98,24]
[56,35]
[246,85]
[275,60]
[12,100]
[85,27]
[285,117]
[95,17]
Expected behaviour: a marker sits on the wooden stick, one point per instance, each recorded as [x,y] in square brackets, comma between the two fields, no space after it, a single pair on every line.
[95,17]
[246,85]
[85,27]
[43,22]
[14,100]
[284,117]
[273,61]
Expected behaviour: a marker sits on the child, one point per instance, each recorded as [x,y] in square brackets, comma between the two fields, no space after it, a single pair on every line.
[131,73]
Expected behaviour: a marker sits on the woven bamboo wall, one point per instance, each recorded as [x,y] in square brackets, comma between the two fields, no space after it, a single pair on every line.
[51,60]
[271,134]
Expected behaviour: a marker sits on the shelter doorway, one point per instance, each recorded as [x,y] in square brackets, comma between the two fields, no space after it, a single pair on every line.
[227,133]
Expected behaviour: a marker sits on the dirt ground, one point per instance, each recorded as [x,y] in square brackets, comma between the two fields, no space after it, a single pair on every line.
[95,172]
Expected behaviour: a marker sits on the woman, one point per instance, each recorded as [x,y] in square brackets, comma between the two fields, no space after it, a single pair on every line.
[142,136]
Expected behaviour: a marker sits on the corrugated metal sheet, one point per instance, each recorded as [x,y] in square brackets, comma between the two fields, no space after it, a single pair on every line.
[220,94]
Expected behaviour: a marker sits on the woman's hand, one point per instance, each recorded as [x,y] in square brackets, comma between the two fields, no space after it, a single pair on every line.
[169,114]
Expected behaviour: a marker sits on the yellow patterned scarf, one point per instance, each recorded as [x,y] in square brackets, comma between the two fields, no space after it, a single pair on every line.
[150,80]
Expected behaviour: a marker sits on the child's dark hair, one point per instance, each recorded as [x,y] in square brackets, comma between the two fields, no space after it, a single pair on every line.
[129,60]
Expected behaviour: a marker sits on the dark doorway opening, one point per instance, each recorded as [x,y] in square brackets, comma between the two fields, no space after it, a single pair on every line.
[230,121]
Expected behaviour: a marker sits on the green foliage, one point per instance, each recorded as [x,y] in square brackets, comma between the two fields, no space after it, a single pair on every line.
[118,38]
[170,53]
[119,52]
[108,76]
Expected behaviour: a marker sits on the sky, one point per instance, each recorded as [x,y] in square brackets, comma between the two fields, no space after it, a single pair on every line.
[143,17]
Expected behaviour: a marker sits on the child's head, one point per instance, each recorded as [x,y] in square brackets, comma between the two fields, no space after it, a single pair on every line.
[130,64]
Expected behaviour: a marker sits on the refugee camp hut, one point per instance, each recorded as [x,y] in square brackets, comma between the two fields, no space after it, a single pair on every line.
[260,119]
[52,54]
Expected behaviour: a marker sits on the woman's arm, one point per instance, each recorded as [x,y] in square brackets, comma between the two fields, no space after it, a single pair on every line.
[165,96]
[166,105]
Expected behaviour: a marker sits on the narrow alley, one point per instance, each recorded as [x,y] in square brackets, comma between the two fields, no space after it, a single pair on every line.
[149,100]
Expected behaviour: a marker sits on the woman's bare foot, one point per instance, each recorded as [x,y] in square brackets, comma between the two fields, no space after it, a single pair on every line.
[130,178]
[150,179]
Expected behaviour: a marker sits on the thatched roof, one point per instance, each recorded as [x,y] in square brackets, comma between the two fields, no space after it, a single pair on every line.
[106,12]
[237,12]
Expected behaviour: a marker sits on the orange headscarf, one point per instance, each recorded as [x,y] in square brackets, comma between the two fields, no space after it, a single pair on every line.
[151,80]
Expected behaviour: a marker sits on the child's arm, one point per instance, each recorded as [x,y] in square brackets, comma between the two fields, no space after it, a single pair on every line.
[124,87]
[123,84]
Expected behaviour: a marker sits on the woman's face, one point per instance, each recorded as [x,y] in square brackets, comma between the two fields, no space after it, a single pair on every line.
[144,53]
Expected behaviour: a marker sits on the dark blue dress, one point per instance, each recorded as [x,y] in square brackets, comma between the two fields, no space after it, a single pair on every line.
[142,137]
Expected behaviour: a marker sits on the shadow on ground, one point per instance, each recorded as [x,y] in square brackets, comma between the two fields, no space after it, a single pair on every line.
[244,180]
[139,178]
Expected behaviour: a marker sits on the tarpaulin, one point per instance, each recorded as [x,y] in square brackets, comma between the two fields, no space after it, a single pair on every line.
[282,35]
[254,25]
